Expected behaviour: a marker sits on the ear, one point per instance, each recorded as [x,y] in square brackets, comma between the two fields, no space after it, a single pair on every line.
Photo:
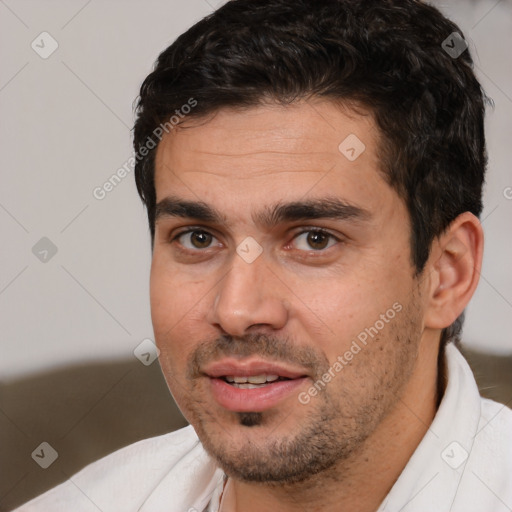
[454,266]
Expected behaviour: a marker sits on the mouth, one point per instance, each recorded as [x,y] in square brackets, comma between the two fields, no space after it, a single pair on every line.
[252,385]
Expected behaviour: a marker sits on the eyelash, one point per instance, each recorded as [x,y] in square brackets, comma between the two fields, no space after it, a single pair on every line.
[309,230]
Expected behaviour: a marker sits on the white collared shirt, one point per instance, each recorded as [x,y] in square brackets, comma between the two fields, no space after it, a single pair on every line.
[463,464]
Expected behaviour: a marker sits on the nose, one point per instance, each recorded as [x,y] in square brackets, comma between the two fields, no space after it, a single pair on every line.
[249,297]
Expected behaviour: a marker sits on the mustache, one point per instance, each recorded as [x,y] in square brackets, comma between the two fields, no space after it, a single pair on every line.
[279,350]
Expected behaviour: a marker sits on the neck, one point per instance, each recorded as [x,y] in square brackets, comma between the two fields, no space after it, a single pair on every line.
[363,481]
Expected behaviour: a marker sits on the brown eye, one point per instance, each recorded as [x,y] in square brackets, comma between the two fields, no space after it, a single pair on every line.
[200,239]
[195,239]
[316,240]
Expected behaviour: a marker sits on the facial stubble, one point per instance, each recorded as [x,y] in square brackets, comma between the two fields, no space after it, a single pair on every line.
[279,449]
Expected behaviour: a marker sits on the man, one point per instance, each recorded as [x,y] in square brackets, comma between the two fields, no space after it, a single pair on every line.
[313,174]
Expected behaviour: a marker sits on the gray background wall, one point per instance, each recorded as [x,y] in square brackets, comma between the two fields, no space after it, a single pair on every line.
[70,321]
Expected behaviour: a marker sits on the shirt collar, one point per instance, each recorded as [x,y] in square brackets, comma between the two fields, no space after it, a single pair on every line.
[430,479]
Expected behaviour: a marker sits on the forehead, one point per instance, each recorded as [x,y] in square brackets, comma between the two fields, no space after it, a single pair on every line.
[270,152]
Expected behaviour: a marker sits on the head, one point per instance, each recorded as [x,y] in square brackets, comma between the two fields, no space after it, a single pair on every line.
[344,117]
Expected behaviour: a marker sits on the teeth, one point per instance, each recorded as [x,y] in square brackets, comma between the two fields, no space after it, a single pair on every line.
[246,385]
[255,379]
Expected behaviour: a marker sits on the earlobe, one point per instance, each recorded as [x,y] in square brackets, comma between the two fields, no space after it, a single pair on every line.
[456,262]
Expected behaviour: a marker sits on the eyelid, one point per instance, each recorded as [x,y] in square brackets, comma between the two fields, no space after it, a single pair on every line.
[316,229]
[189,229]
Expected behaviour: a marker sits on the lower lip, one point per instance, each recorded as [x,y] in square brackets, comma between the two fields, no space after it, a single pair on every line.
[256,399]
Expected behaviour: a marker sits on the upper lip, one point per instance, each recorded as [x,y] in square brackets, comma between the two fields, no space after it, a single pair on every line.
[250,368]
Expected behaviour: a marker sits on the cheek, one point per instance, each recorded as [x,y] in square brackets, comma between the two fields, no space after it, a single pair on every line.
[344,308]
[167,305]
[172,295]
[178,314]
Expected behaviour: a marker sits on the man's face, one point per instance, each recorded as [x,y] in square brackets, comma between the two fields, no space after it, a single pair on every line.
[276,256]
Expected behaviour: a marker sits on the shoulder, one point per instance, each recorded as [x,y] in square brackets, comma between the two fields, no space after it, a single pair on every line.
[485,482]
[494,432]
[148,455]
[125,479]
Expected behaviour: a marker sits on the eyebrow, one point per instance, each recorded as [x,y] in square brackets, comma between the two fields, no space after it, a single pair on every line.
[320,208]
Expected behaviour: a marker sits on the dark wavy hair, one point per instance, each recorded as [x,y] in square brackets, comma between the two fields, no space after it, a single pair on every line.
[387,56]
